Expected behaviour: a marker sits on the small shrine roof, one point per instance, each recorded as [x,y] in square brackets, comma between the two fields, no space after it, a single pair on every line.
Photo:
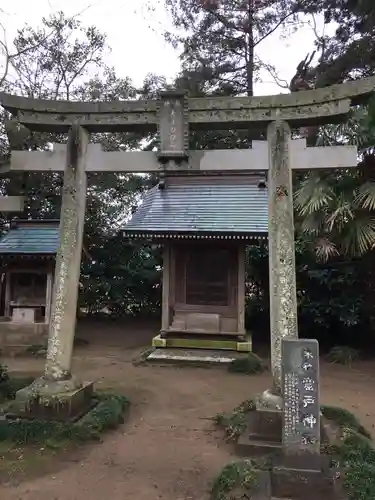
[236,207]
[31,237]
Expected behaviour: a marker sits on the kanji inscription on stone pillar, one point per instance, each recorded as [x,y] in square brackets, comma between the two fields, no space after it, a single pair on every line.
[300,387]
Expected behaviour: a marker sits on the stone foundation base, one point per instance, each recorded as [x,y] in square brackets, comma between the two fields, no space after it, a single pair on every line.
[305,484]
[262,434]
[63,401]
[263,431]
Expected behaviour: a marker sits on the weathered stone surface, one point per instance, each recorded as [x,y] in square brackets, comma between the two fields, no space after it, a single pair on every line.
[262,435]
[301,472]
[239,117]
[261,489]
[300,109]
[172,126]
[50,400]
[300,384]
[257,158]
[351,90]
[68,262]
[282,270]
[299,484]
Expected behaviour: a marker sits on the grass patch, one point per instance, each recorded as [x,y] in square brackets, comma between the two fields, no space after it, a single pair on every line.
[343,355]
[28,447]
[344,419]
[236,480]
[141,358]
[354,454]
[8,388]
[250,365]
[234,423]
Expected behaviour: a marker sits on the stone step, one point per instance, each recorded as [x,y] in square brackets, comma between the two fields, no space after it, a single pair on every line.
[194,356]
[246,447]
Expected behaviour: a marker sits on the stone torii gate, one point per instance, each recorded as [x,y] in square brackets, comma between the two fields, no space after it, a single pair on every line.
[171,116]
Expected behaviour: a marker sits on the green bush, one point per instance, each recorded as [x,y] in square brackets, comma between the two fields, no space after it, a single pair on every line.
[4,376]
[343,355]
[235,481]
[8,388]
[234,423]
[344,418]
[250,365]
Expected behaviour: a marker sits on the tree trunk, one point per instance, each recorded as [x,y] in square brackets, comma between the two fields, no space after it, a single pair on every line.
[250,51]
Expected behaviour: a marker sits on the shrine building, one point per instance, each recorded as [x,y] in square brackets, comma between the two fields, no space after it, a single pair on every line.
[27,258]
[204,223]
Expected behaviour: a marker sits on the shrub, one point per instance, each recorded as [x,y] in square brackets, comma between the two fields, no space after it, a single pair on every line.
[344,419]
[235,481]
[3,373]
[251,364]
[343,355]
[234,423]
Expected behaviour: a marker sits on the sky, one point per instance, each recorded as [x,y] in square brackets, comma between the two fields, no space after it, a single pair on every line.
[135,35]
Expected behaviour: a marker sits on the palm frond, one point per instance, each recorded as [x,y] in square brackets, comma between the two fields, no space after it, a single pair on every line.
[325,249]
[341,215]
[365,197]
[357,130]
[313,223]
[359,235]
[314,194]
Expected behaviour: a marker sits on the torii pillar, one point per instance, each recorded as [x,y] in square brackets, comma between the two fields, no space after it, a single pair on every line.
[58,388]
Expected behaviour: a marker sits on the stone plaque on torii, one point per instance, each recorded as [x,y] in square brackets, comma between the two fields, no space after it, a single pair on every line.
[171,117]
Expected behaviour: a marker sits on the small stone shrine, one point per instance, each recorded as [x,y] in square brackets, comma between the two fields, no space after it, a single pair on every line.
[301,472]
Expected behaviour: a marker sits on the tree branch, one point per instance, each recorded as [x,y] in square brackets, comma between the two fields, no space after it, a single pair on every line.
[275,28]
[271,70]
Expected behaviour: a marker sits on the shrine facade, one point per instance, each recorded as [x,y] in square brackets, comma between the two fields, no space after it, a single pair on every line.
[27,258]
[27,254]
[204,223]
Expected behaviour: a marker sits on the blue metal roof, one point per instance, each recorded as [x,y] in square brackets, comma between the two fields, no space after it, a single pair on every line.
[30,240]
[236,205]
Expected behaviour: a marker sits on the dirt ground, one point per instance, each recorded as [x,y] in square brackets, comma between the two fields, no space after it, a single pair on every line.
[169,449]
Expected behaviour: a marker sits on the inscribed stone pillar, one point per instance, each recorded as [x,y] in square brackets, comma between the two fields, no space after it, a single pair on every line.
[282,269]
[64,304]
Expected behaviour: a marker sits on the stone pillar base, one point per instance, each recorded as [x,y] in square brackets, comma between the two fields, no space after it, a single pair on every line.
[262,434]
[305,484]
[65,400]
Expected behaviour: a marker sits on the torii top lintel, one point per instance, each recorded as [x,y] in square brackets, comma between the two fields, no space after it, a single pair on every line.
[320,106]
